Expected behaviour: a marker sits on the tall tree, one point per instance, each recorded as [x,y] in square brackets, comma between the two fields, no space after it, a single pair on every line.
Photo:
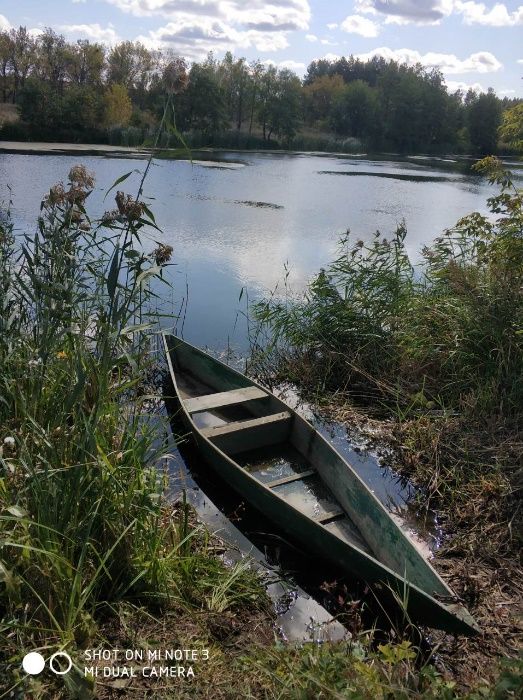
[202,106]
[6,53]
[284,109]
[484,118]
[268,91]
[355,112]
[319,97]
[22,58]
[118,106]
[52,58]
[511,129]
[85,62]
[256,70]
[132,65]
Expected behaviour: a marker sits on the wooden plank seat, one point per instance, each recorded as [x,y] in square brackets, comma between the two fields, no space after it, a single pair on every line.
[289,479]
[251,434]
[223,398]
[233,427]
[329,517]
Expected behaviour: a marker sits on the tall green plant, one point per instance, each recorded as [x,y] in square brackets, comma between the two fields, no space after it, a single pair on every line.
[448,332]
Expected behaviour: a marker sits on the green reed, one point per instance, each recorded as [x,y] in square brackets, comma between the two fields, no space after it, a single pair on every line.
[84,518]
[437,347]
[444,332]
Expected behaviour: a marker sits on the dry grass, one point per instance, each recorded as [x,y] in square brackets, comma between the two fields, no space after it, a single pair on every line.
[470,478]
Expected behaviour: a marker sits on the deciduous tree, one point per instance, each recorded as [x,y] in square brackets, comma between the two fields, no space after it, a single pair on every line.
[118,106]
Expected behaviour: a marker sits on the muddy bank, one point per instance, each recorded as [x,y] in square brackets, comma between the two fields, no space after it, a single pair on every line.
[478,552]
[41,148]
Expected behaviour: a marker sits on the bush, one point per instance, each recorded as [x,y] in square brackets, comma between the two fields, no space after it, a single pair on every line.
[450,332]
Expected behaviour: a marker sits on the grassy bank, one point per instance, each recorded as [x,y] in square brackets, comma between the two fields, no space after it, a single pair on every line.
[430,358]
[92,553]
[144,137]
[86,532]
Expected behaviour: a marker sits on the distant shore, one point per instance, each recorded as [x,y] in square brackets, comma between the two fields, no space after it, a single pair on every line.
[42,148]
[102,149]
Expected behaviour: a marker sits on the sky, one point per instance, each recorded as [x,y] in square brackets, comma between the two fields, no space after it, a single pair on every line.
[474,44]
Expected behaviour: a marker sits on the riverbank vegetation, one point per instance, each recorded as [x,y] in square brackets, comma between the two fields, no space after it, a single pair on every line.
[85,92]
[430,357]
[93,554]
[87,535]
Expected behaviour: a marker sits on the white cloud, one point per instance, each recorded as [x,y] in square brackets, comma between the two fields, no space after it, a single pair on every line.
[4,23]
[274,15]
[520,60]
[194,40]
[455,85]
[498,16]
[329,57]
[93,32]
[480,62]
[295,66]
[354,24]
[196,27]
[78,2]
[332,25]
[328,42]
[504,93]
[311,37]
[407,11]
[433,11]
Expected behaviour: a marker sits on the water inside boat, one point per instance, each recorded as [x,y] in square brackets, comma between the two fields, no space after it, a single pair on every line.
[278,466]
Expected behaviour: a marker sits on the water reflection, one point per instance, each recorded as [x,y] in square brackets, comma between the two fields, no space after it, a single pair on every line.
[288,214]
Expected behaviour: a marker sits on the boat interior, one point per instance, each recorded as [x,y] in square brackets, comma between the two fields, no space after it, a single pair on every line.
[249,425]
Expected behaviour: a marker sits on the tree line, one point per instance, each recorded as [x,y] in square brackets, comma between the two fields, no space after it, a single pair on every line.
[85,91]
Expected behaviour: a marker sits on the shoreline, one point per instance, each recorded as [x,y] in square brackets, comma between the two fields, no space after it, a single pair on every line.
[50,148]
[56,148]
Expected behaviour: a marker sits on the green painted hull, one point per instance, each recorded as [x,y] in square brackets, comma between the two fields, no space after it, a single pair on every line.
[389,558]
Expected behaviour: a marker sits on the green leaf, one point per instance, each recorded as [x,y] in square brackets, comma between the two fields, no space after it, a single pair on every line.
[117,182]
[129,330]
[148,212]
[153,271]
[112,277]
[17,511]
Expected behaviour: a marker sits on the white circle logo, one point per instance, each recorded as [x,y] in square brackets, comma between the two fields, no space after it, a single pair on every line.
[33,663]
[63,655]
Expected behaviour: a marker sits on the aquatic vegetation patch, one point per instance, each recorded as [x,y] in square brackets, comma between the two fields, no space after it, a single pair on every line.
[258,205]
[392,176]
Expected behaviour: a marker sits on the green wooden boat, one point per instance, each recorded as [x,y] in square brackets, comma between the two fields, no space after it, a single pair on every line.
[282,466]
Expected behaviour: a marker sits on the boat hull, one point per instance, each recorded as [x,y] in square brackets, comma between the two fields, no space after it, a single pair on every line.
[418,605]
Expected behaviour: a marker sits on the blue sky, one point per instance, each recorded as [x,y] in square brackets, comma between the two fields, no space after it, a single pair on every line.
[473,43]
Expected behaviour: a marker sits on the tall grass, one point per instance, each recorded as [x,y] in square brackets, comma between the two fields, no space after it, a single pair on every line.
[448,331]
[81,510]
[84,520]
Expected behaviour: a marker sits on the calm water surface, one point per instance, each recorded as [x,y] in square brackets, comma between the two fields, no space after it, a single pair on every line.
[235,224]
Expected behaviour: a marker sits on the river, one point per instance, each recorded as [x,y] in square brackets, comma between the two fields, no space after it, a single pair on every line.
[239,221]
